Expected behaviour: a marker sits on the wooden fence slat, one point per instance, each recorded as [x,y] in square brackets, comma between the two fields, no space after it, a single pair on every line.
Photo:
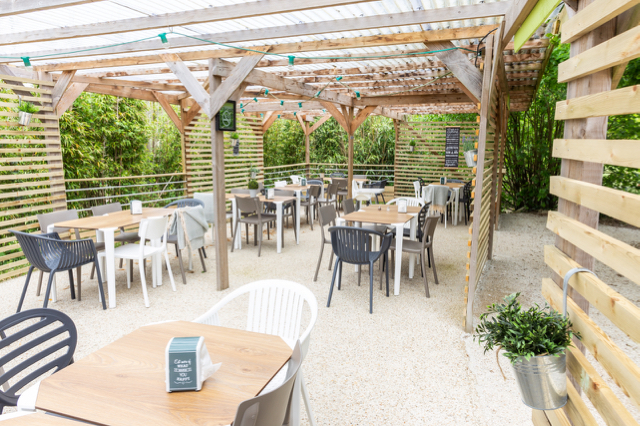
[610,303]
[578,411]
[619,256]
[624,153]
[27,80]
[623,371]
[616,102]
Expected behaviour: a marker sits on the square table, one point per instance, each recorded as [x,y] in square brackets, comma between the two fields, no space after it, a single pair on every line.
[106,227]
[123,383]
[278,201]
[371,214]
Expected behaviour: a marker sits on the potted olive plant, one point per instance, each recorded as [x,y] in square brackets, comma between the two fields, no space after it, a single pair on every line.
[253,188]
[412,145]
[535,341]
[253,171]
[470,152]
[25,113]
[235,143]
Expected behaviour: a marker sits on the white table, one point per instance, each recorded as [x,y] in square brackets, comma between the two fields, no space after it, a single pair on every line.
[278,201]
[455,188]
[371,214]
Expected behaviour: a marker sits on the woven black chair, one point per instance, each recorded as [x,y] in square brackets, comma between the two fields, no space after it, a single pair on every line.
[24,333]
[421,218]
[465,200]
[49,253]
[354,246]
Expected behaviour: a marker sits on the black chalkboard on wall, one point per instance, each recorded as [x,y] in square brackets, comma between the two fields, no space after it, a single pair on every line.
[452,147]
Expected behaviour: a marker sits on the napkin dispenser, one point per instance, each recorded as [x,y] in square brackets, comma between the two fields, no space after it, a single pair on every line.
[402,206]
[188,364]
[303,181]
[269,193]
[443,180]
[136,207]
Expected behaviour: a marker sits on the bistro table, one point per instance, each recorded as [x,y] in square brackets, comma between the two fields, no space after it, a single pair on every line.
[455,187]
[278,201]
[123,383]
[391,217]
[106,227]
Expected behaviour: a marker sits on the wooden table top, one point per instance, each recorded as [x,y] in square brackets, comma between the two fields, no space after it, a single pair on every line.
[452,185]
[295,187]
[124,382]
[392,207]
[39,419]
[114,220]
[275,199]
[383,217]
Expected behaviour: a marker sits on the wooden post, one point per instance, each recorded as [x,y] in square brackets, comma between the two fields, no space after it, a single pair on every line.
[503,131]
[395,156]
[219,202]
[584,128]
[183,143]
[493,195]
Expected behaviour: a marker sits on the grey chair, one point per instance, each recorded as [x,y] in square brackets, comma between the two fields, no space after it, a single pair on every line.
[49,253]
[348,206]
[250,213]
[314,194]
[46,219]
[327,216]
[337,175]
[173,238]
[271,408]
[52,333]
[354,246]
[124,237]
[343,191]
[330,196]
[419,247]
[359,176]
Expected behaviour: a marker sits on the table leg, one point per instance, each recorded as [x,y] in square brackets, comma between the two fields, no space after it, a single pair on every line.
[396,279]
[412,236]
[157,265]
[279,226]
[456,200]
[109,247]
[238,239]
[298,213]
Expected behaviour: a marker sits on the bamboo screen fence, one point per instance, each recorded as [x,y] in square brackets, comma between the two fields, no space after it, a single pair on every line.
[198,154]
[600,44]
[31,175]
[427,160]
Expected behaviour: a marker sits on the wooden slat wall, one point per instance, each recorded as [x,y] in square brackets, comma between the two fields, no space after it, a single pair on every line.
[198,155]
[427,161]
[624,259]
[31,175]
[484,191]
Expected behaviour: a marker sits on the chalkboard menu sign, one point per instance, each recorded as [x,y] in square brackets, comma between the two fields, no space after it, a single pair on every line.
[452,147]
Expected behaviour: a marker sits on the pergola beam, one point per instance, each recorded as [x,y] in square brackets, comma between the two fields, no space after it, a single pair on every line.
[412,99]
[69,96]
[232,82]
[181,71]
[514,18]
[166,106]
[284,48]
[16,7]
[61,86]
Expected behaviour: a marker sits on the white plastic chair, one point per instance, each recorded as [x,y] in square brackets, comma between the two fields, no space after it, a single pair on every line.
[275,307]
[411,201]
[416,188]
[295,179]
[280,184]
[152,229]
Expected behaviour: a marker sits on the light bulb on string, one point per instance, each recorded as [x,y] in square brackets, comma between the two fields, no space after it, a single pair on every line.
[27,62]
[290,66]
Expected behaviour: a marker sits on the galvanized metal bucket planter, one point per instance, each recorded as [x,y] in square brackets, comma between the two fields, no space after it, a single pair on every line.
[412,148]
[542,381]
[468,157]
[24,118]
[253,193]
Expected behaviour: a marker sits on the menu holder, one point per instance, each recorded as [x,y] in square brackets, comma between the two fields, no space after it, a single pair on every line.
[188,364]
[443,180]
[303,181]
[269,193]
[136,207]
[402,206]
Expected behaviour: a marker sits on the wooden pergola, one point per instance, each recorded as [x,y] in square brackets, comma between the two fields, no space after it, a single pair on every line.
[317,58]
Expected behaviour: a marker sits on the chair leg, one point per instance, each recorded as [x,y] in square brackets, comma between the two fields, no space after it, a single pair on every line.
[305,398]
[331,258]
[131,268]
[96,265]
[246,228]
[48,291]
[426,280]
[79,279]
[173,282]
[201,253]
[72,286]
[233,236]
[359,274]
[386,255]
[429,256]
[433,262]
[39,283]
[26,284]
[129,274]
[339,275]
[184,278]
[204,252]
[315,276]
[255,236]
[143,281]
[371,287]
[333,280]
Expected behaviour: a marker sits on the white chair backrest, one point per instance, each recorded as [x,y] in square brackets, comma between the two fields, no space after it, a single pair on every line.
[411,201]
[295,179]
[153,229]
[207,199]
[275,307]
[416,189]
[281,184]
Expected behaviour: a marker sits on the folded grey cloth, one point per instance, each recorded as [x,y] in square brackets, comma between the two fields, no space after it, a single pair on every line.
[192,223]
[437,194]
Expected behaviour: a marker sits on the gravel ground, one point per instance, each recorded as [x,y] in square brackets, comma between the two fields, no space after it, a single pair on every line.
[408,363]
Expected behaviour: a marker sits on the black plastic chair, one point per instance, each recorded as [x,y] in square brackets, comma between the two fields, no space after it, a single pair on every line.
[465,200]
[14,333]
[355,246]
[49,253]
[378,184]
[421,218]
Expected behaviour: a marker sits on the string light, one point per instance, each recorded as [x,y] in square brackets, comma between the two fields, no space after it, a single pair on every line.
[291,59]
[27,62]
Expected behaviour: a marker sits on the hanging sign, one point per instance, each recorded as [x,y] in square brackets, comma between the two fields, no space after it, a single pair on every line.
[226,117]
[452,146]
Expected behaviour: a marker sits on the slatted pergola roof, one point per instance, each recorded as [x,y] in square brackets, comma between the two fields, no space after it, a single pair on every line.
[114,47]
